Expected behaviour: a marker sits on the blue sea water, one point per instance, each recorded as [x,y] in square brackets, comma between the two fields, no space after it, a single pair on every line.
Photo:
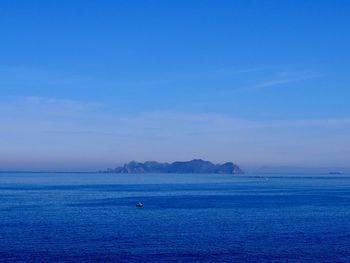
[72,217]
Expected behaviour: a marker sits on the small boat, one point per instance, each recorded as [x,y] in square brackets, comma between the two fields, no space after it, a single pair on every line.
[139,205]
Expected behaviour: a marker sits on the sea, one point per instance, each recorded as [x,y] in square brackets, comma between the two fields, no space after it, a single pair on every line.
[92,217]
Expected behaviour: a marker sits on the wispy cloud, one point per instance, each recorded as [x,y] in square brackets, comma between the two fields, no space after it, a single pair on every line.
[31,75]
[106,122]
[64,104]
[284,80]
[206,127]
[88,134]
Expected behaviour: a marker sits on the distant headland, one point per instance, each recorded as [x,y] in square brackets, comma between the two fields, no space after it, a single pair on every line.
[196,166]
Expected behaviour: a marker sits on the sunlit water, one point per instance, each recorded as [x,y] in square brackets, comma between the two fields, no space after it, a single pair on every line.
[186,218]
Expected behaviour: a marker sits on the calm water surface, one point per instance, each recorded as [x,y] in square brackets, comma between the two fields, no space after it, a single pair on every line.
[186,218]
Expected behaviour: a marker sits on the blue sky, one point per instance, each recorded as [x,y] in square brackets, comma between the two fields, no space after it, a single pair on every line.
[86,85]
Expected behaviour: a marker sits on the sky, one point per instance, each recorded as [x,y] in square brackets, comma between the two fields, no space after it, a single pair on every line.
[86,85]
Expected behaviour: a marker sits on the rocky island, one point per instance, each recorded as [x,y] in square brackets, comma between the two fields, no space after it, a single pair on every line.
[196,166]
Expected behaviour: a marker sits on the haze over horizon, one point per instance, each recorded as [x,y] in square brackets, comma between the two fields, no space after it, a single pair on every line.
[86,85]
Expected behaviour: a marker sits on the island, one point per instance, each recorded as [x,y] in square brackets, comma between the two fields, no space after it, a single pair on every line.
[196,166]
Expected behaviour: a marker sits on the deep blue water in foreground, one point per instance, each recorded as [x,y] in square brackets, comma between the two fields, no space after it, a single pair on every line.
[186,218]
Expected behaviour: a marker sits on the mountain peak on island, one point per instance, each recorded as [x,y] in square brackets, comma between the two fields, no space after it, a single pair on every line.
[196,166]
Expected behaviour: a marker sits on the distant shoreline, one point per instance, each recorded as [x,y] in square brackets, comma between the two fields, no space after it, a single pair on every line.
[247,173]
[195,166]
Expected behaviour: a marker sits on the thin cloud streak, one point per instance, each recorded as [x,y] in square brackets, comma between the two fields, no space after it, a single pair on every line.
[27,75]
[282,81]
